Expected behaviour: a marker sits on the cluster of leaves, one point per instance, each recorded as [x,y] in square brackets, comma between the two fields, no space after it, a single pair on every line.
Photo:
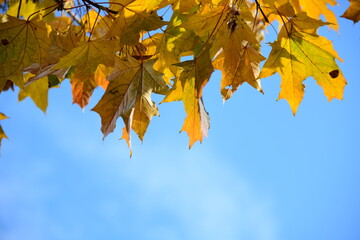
[126,48]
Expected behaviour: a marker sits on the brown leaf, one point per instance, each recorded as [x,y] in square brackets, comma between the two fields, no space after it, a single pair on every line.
[353,12]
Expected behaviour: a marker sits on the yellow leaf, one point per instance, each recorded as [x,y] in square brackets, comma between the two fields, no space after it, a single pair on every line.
[174,43]
[216,25]
[37,91]
[62,44]
[2,135]
[185,5]
[276,9]
[315,9]
[90,19]
[129,95]
[223,28]
[89,54]
[147,5]
[353,12]
[3,116]
[297,55]
[97,25]
[43,71]
[22,44]
[188,88]
[27,8]
[130,21]
[60,24]
[102,26]
[238,64]
[100,76]
[135,5]
[85,59]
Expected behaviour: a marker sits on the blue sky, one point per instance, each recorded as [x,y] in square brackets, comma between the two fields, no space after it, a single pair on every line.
[262,174]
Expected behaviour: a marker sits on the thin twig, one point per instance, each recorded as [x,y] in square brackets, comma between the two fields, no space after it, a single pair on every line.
[100,6]
[262,12]
[18,13]
[93,27]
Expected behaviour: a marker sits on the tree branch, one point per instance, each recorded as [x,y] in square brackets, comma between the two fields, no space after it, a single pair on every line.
[262,12]
[18,13]
[99,6]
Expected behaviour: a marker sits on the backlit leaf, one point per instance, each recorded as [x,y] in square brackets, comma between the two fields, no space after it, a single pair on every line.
[130,21]
[315,9]
[30,7]
[3,116]
[353,12]
[298,55]
[238,64]
[85,59]
[129,96]
[2,133]
[188,89]
[37,91]
[132,48]
[22,44]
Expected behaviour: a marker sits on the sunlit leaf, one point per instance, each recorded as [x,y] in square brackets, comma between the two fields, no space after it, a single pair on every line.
[315,9]
[37,91]
[133,48]
[353,12]
[298,55]
[129,96]
[85,59]
[22,44]
[188,88]
[2,133]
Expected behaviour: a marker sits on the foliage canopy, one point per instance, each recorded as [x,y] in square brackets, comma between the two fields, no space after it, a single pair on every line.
[130,50]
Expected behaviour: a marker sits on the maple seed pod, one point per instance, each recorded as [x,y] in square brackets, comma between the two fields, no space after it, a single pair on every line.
[232,25]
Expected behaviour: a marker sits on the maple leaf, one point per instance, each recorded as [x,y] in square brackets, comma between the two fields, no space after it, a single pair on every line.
[139,5]
[85,59]
[2,133]
[131,19]
[276,9]
[62,43]
[316,9]
[188,88]
[113,45]
[22,44]
[185,5]
[238,64]
[129,96]
[228,34]
[353,12]
[17,8]
[37,91]
[174,43]
[297,55]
